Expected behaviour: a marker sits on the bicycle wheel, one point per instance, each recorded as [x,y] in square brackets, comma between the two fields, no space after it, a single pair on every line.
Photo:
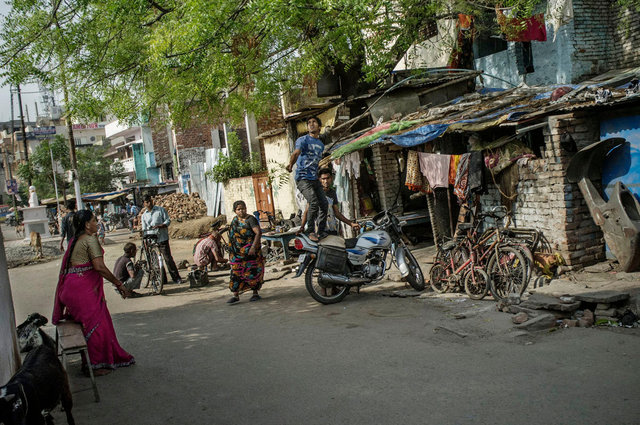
[157,276]
[507,272]
[476,283]
[438,278]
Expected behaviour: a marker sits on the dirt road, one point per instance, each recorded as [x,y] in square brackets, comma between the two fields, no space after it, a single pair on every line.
[370,359]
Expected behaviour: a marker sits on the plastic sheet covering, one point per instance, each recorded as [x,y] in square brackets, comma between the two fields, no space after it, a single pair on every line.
[372,136]
[420,135]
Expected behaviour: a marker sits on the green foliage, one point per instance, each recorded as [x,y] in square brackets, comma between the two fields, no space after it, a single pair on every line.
[95,172]
[39,168]
[235,164]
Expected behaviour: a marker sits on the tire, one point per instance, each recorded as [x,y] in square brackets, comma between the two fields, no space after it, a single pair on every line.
[157,277]
[476,283]
[318,292]
[508,273]
[415,277]
[437,278]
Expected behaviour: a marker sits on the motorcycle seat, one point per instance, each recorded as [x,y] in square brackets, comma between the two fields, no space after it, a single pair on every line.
[333,241]
[350,243]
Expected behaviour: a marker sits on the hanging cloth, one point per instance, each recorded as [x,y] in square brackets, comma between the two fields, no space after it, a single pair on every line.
[475,171]
[453,168]
[351,163]
[461,184]
[341,182]
[559,13]
[462,54]
[435,168]
[415,180]
[515,29]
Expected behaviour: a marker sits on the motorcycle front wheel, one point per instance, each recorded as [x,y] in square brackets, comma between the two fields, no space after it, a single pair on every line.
[415,277]
[319,293]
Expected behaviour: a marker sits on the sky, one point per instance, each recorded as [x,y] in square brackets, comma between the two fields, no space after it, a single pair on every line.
[28,98]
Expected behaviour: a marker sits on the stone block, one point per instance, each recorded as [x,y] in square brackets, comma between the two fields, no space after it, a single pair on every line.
[547,302]
[603,297]
[520,318]
[542,322]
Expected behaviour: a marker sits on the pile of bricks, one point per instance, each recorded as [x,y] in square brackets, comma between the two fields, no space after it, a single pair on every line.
[182,207]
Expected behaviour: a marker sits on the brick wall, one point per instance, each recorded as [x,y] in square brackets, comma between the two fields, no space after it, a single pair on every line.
[160,136]
[626,38]
[548,202]
[387,175]
[273,120]
[593,37]
[188,156]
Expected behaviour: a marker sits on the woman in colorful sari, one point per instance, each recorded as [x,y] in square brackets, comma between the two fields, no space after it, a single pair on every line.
[80,296]
[247,262]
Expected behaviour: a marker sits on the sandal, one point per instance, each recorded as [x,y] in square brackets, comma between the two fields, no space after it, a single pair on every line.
[314,237]
[233,300]
[101,372]
[255,297]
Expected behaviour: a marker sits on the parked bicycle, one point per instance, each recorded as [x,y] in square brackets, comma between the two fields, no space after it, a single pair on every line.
[151,262]
[482,262]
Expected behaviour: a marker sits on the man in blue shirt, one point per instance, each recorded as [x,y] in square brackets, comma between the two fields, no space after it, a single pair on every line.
[156,220]
[306,156]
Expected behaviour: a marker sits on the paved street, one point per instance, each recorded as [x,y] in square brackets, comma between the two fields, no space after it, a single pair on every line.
[370,359]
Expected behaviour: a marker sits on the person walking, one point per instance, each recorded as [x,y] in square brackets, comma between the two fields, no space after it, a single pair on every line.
[247,262]
[66,230]
[306,156]
[155,219]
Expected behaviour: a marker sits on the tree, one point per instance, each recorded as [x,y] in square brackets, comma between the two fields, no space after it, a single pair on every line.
[210,57]
[202,56]
[39,168]
[97,173]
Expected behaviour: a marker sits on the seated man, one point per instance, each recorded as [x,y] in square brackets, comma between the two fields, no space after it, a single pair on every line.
[209,251]
[128,273]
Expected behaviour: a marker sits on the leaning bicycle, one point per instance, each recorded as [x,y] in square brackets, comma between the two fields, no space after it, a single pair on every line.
[152,263]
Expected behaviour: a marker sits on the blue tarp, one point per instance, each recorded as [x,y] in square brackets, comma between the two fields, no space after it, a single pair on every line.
[419,135]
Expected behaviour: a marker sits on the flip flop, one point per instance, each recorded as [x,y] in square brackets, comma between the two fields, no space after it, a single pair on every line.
[255,297]
[233,300]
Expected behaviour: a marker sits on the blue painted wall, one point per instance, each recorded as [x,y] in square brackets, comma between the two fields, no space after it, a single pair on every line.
[622,164]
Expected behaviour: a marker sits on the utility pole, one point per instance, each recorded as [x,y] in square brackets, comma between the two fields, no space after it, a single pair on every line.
[72,144]
[13,150]
[24,132]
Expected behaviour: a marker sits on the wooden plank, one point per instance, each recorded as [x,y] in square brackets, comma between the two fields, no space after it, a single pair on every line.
[71,341]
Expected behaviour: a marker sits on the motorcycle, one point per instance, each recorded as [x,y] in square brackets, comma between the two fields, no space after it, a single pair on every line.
[334,265]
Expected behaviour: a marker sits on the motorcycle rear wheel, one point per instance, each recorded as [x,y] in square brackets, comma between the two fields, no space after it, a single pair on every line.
[319,293]
[415,276]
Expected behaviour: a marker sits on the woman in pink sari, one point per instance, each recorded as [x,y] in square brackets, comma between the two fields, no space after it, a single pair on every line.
[80,295]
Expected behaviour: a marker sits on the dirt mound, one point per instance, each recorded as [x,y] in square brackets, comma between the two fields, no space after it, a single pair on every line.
[194,228]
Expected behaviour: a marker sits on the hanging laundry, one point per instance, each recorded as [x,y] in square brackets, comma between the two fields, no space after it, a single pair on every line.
[515,29]
[415,180]
[559,13]
[351,164]
[524,57]
[461,183]
[462,54]
[342,182]
[475,171]
[453,168]
[435,168]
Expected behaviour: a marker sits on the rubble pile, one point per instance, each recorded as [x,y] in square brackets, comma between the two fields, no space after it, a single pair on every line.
[194,228]
[182,207]
[541,312]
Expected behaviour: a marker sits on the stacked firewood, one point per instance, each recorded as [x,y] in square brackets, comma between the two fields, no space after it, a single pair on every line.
[182,207]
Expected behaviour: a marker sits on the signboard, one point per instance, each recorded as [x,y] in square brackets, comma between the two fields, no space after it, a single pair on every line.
[44,131]
[88,126]
[12,186]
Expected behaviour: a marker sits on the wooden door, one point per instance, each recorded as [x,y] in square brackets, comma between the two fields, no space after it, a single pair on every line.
[264,197]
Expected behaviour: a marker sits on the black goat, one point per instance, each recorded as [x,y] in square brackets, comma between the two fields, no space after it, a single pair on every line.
[39,385]
[29,333]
